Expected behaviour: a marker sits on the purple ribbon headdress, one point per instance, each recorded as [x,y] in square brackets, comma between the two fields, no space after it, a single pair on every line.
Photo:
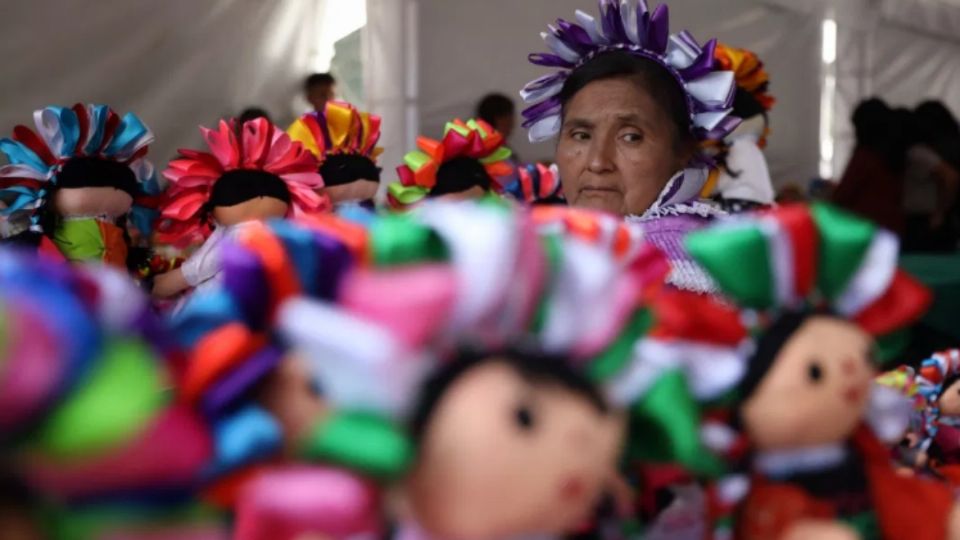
[629,25]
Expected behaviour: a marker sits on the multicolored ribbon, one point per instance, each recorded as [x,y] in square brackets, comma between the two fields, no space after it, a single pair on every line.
[256,145]
[473,139]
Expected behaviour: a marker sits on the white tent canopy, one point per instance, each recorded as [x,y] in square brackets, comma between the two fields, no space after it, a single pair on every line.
[180,63]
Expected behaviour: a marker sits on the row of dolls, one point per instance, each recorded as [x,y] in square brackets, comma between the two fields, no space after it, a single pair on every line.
[79,185]
[471,370]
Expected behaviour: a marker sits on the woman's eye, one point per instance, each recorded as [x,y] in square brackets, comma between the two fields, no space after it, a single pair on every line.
[580,136]
[523,417]
[632,137]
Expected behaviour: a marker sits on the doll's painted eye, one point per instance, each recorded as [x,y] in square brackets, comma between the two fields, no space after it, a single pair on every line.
[523,416]
[814,372]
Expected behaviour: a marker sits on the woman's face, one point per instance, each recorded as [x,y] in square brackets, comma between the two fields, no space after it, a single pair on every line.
[617,147]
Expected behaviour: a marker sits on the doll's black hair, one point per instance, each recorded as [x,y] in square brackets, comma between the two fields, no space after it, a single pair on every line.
[746,106]
[768,346]
[459,175]
[241,185]
[81,172]
[341,169]
[534,367]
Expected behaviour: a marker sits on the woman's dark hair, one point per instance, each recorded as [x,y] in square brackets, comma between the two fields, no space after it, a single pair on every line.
[534,367]
[659,82]
[888,132]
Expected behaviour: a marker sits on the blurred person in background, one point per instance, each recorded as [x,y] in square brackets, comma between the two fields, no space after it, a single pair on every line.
[872,184]
[500,112]
[320,88]
[931,180]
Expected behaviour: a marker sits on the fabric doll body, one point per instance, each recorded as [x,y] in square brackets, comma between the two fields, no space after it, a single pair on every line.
[200,269]
[87,224]
[861,490]
[751,188]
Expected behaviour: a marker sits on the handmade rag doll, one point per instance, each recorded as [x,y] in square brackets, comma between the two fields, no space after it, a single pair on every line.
[253,171]
[80,180]
[799,419]
[740,181]
[345,142]
[468,163]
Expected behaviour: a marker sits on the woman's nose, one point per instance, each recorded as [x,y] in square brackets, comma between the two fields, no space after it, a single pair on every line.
[600,156]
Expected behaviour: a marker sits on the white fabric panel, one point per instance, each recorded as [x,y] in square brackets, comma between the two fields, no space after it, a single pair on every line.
[937,19]
[469,48]
[390,76]
[176,63]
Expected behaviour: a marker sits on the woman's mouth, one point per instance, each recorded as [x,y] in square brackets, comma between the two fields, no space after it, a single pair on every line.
[599,189]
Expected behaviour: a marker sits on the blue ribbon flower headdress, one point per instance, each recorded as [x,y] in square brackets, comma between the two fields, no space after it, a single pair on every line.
[64,134]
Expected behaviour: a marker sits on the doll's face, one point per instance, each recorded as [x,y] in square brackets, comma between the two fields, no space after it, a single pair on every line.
[475,192]
[92,201]
[817,389]
[258,209]
[359,191]
[503,456]
[949,401]
[292,398]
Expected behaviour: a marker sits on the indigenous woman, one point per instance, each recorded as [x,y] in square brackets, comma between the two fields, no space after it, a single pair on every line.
[630,103]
